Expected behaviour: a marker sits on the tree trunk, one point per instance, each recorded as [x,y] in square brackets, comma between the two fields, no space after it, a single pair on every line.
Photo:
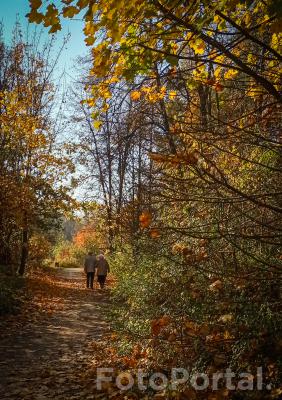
[24,252]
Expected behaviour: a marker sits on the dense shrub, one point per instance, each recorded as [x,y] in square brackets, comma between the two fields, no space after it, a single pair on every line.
[181,316]
[11,290]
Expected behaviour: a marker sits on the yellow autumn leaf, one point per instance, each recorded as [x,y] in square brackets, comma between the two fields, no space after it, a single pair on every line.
[172,95]
[89,28]
[97,124]
[146,89]
[276,40]
[91,102]
[198,46]
[51,18]
[105,107]
[216,19]
[135,95]
[89,40]
[95,8]
[114,79]
[230,74]
[52,11]
[34,16]
[56,27]
[153,97]
[106,94]
[219,58]
[70,12]
[217,72]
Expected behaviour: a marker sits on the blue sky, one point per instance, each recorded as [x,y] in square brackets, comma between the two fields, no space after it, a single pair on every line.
[11,9]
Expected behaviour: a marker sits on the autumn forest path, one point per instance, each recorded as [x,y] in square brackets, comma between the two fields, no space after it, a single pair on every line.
[48,352]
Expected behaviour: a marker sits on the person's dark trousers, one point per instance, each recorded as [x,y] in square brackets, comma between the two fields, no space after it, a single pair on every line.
[102,280]
[90,279]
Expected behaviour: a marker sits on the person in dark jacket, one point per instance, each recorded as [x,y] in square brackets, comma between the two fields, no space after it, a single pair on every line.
[90,265]
[102,270]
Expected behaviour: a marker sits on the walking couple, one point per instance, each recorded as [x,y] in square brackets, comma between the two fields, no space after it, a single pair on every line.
[93,263]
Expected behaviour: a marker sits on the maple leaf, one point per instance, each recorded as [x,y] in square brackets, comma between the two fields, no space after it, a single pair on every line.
[70,12]
[35,16]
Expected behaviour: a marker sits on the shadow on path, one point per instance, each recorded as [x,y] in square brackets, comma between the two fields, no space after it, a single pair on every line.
[48,356]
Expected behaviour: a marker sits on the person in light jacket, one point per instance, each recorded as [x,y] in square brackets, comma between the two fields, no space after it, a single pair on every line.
[90,265]
[102,270]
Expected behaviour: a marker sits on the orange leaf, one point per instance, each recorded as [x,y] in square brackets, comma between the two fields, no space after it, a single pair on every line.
[216,286]
[218,87]
[155,233]
[145,219]
[164,321]
[135,95]
[155,327]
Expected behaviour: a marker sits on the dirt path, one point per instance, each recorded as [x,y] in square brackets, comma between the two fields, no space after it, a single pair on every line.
[48,352]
